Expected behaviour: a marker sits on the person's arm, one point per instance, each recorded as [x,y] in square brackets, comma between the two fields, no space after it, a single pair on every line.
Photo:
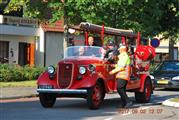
[117,69]
[107,53]
[120,66]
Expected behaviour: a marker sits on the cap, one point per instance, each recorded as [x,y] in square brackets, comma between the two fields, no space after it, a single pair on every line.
[122,47]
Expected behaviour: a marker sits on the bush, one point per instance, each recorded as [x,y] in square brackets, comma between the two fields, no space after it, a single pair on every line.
[4,72]
[10,73]
[32,72]
[16,73]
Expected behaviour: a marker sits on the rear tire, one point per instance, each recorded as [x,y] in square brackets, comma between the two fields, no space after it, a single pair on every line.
[95,96]
[145,96]
[47,100]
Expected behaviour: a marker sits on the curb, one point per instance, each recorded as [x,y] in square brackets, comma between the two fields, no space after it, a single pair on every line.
[18,97]
[173,102]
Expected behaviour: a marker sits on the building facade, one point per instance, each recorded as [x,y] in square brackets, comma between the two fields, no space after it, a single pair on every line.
[24,41]
[162,52]
[17,40]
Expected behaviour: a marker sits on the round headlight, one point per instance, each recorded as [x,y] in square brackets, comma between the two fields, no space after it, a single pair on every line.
[82,70]
[51,70]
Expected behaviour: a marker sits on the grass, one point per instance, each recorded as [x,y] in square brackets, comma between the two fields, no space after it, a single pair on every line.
[29,83]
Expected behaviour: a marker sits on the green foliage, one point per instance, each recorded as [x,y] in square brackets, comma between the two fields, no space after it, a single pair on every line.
[169,19]
[33,72]
[15,5]
[16,73]
[150,17]
[4,72]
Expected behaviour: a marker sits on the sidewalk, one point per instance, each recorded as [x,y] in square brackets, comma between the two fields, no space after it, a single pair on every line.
[17,92]
[172,102]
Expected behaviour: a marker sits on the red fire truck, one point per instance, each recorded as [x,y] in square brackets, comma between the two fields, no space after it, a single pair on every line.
[87,76]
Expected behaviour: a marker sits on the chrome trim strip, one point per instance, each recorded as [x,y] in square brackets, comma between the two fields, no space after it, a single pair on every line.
[67,91]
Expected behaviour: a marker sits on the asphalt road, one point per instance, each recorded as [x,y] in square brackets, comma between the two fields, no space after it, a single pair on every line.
[76,109]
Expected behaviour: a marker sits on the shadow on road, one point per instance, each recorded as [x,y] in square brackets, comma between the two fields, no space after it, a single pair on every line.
[81,103]
[68,109]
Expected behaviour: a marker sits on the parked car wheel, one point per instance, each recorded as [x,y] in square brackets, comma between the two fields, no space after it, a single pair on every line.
[145,96]
[47,100]
[95,96]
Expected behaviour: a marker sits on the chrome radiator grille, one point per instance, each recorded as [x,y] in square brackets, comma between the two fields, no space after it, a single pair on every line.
[65,75]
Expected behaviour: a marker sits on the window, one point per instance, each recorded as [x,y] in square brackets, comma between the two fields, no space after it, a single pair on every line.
[4,50]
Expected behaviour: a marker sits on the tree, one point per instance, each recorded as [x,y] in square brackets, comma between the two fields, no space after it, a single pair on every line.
[170,23]
[150,17]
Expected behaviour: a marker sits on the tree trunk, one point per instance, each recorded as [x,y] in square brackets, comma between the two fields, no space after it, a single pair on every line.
[171,48]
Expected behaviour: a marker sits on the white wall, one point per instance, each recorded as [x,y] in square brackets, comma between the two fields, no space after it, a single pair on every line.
[14,48]
[39,50]
[15,34]
[14,45]
[18,30]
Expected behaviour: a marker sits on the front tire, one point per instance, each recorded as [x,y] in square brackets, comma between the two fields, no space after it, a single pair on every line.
[47,100]
[95,96]
[145,96]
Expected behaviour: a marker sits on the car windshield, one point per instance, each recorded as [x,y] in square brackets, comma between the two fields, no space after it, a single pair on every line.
[169,66]
[78,51]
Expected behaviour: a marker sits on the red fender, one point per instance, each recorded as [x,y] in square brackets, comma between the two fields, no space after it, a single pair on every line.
[87,82]
[44,80]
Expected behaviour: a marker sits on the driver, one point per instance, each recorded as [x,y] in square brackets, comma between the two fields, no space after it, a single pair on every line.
[81,51]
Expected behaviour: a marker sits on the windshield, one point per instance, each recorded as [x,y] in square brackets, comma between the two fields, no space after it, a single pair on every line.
[169,66]
[77,51]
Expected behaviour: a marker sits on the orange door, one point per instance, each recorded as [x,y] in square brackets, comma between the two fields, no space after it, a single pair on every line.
[31,54]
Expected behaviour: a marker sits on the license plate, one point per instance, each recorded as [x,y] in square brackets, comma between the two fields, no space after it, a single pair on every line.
[162,81]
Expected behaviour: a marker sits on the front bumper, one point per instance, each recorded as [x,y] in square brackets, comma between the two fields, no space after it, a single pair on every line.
[62,91]
[167,84]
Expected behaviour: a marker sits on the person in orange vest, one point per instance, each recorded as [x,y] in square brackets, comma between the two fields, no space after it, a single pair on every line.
[122,70]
